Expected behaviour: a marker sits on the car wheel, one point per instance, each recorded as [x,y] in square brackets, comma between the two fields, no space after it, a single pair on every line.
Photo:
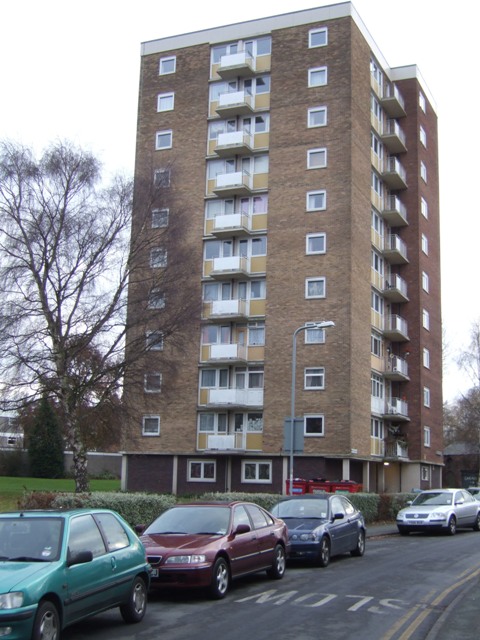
[359,549]
[46,625]
[323,557]
[134,609]
[476,526]
[403,531]
[452,526]
[277,570]
[220,579]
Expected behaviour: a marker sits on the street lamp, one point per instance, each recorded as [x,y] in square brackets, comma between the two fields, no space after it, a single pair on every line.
[308,325]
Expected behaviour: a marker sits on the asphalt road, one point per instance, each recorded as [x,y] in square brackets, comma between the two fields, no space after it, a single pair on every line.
[399,590]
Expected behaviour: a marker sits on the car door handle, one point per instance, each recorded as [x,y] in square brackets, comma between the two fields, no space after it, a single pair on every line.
[113,562]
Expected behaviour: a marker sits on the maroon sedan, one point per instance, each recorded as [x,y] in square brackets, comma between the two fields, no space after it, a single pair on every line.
[208,544]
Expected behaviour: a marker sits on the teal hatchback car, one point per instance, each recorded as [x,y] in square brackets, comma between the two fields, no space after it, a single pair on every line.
[59,567]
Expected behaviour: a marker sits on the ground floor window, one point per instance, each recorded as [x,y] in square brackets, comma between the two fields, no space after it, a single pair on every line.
[201,470]
[253,471]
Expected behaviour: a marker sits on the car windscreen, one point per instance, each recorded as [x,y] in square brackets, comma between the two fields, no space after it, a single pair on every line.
[435,498]
[25,539]
[211,520]
[317,508]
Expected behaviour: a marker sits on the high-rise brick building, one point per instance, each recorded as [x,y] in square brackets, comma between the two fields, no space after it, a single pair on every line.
[300,184]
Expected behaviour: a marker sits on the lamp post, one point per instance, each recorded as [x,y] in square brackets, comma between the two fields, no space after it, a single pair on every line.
[308,325]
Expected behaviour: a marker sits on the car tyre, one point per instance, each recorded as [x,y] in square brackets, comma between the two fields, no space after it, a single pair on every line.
[277,570]
[403,531]
[359,549]
[323,557]
[476,526]
[452,526]
[46,625]
[220,579]
[135,607]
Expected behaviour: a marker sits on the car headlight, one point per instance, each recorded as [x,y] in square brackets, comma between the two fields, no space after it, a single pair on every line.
[12,600]
[438,515]
[194,559]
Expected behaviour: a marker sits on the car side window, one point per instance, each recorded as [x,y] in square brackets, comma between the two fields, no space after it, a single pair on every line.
[337,506]
[348,506]
[85,536]
[467,497]
[115,534]
[258,516]
[240,516]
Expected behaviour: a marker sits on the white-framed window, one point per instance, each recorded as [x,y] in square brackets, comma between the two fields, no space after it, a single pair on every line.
[423,136]
[317,117]
[316,243]
[426,319]
[377,429]
[165,101]
[156,299]
[257,471]
[425,282]
[212,423]
[167,65]
[152,382]
[377,263]
[314,335]
[202,470]
[376,145]
[163,140]
[256,334]
[376,345]
[154,340]
[426,397]
[315,287]
[213,378]
[316,158]
[426,358]
[317,77]
[426,437]
[424,244]
[317,37]
[314,378]
[377,184]
[425,473]
[151,425]
[158,257]
[162,178]
[159,218]
[423,171]
[377,386]
[377,302]
[317,200]
[314,425]
[424,207]
[422,102]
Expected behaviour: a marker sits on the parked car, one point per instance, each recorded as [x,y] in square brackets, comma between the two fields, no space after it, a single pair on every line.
[58,567]
[208,544]
[322,525]
[440,510]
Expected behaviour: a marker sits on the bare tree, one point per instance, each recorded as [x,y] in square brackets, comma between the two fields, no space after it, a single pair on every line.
[66,259]
[469,360]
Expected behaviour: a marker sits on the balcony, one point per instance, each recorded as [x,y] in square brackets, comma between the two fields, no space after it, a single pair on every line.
[393,137]
[236,65]
[395,289]
[248,398]
[234,143]
[394,174]
[236,183]
[228,442]
[227,353]
[235,103]
[395,250]
[396,369]
[232,224]
[395,328]
[396,409]
[227,309]
[230,267]
[396,451]
[394,212]
[393,102]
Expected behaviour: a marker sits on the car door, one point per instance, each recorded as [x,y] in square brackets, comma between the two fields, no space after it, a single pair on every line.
[243,547]
[266,539]
[340,527]
[466,507]
[352,520]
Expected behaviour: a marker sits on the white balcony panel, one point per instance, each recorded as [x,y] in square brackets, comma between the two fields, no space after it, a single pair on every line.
[236,397]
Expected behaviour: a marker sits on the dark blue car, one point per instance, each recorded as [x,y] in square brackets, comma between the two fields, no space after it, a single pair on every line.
[321,526]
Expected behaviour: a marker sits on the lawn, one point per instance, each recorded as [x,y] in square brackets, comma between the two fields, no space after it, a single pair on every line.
[11,489]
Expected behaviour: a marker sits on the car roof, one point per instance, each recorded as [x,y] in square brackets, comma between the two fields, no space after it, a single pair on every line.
[309,496]
[213,503]
[51,513]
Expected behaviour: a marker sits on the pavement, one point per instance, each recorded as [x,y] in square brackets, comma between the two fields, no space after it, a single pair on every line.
[461,617]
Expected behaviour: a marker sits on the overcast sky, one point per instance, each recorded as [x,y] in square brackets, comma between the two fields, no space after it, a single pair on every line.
[70,70]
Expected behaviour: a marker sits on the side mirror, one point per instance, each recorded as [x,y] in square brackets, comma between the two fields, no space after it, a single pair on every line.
[242,528]
[338,516]
[139,529]
[81,557]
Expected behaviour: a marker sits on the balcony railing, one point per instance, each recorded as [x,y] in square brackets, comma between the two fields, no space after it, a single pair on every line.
[394,212]
[395,450]
[234,65]
[395,289]
[396,408]
[235,102]
[228,352]
[229,309]
[393,137]
[234,142]
[396,328]
[235,183]
[230,267]
[395,250]
[394,174]
[393,102]
[396,368]
[232,224]
[236,397]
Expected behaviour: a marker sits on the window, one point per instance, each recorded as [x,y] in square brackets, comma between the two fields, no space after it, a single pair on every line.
[316,158]
[377,263]
[316,243]
[376,345]
[162,178]
[422,102]
[315,336]
[377,303]
[167,65]
[158,257]
[253,471]
[377,184]
[165,101]
[256,334]
[156,299]
[376,429]
[425,474]
[377,386]
[376,145]
[426,397]
[316,200]
[314,425]
[201,470]
[426,358]
[424,207]
[317,77]
[115,534]
[163,140]
[314,378]
[159,218]
[317,117]
[424,244]
[423,171]
[426,319]
[151,426]
[154,340]
[425,281]
[152,382]
[423,136]
[212,422]
[315,288]
[85,534]
[317,37]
